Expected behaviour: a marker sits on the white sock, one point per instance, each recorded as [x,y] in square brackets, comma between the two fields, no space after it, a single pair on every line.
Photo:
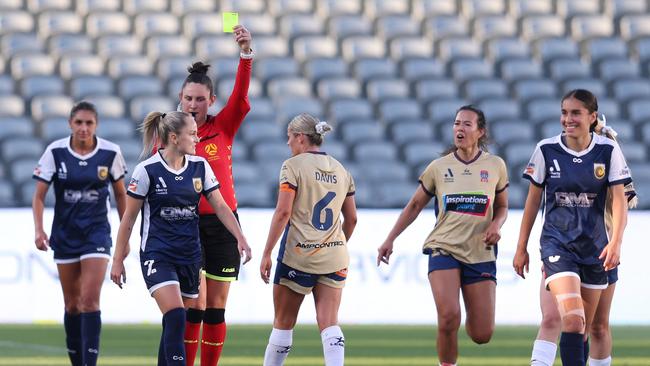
[604,362]
[447,364]
[543,353]
[333,345]
[278,348]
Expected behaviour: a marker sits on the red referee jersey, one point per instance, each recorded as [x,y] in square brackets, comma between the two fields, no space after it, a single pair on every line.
[216,136]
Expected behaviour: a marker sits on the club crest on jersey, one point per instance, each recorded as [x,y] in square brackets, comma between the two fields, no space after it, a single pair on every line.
[484,176]
[102,172]
[599,170]
[198,185]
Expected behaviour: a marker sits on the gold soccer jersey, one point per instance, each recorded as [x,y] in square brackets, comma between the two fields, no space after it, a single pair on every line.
[313,240]
[464,193]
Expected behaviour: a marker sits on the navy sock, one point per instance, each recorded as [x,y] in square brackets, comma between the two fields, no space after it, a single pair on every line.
[571,349]
[72,325]
[161,348]
[586,350]
[91,327]
[173,336]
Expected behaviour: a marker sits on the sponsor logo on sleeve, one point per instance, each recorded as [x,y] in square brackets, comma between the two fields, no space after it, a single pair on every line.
[530,169]
[599,170]
[469,203]
[133,185]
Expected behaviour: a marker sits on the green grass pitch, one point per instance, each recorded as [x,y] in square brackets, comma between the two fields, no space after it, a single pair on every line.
[398,345]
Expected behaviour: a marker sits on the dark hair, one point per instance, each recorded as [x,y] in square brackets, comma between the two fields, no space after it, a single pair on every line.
[588,100]
[199,74]
[83,106]
[481,123]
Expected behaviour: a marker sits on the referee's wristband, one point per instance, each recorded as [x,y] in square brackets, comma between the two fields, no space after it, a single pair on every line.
[247,56]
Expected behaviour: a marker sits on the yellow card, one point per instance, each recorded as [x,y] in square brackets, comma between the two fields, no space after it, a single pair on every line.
[230,20]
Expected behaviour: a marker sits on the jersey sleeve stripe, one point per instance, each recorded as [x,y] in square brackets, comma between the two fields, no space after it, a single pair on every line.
[135,195]
[350,194]
[526,176]
[41,179]
[207,191]
[503,189]
[287,187]
[116,179]
[426,190]
[620,181]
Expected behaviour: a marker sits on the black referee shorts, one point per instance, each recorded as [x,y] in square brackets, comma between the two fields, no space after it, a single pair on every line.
[218,249]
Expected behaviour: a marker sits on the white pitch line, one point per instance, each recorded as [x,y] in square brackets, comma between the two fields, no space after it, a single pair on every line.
[38,347]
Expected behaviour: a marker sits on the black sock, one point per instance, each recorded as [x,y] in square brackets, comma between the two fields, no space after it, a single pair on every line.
[571,349]
[586,350]
[173,336]
[72,325]
[161,347]
[91,327]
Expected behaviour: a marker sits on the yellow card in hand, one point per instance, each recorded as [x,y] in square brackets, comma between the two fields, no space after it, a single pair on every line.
[230,20]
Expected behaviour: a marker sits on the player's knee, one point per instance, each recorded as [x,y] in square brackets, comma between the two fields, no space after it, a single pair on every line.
[573,323]
[551,321]
[480,335]
[284,322]
[599,330]
[448,321]
[572,312]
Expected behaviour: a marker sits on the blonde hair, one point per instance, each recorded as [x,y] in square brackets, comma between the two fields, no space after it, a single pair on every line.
[156,128]
[311,127]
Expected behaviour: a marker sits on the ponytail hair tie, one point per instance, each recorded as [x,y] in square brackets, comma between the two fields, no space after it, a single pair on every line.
[162,116]
[321,128]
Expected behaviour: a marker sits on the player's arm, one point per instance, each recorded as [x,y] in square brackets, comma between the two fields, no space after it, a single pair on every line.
[500,213]
[278,223]
[533,201]
[133,206]
[38,205]
[349,211]
[119,190]
[226,216]
[407,216]
[612,252]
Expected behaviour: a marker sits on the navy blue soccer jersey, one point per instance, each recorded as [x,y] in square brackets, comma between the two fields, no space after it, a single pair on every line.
[81,191]
[575,185]
[170,220]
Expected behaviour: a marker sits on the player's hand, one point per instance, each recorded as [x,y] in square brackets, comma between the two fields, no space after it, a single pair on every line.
[243,38]
[265,268]
[384,252]
[520,262]
[41,241]
[611,255]
[118,272]
[244,250]
[492,235]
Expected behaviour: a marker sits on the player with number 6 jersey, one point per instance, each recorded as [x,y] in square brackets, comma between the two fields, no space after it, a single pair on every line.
[315,189]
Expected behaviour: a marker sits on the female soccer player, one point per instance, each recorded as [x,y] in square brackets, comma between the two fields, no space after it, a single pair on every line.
[167,188]
[314,189]
[219,247]
[81,167]
[470,190]
[544,348]
[575,170]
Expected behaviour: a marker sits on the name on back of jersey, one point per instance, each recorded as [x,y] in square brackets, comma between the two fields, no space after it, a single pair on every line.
[325,177]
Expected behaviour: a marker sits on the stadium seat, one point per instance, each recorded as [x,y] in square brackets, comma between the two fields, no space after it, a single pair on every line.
[104,23]
[310,47]
[332,8]
[21,170]
[570,8]
[270,150]
[38,6]
[22,147]
[108,106]
[116,128]
[20,43]
[517,193]
[520,69]
[359,47]
[380,89]
[58,22]
[343,26]
[215,46]
[417,153]
[50,106]
[541,109]
[640,172]
[11,106]
[336,88]
[297,25]
[225,88]
[599,49]
[422,68]
[84,7]
[471,68]
[6,84]
[520,9]
[41,85]
[407,131]
[379,8]
[635,152]
[500,108]
[259,24]
[644,199]
[610,107]
[8,198]
[279,7]
[474,8]
[505,131]
[336,149]
[595,86]
[372,151]
[140,106]
[254,131]
[635,26]
[54,128]
[244,171]
[392,26]
[254,195]
[385,171]
[287,108]
[506,48]
[366,69]
[167,46]
[451,49]
[271,46]
[394,194]
[16,21]
[444,110]
[288,87]
[118,46]
[69,44]
[553,48]
[549,127]
[239,151]
[645,132]
[627,89]
[616,69]
[493,26]
[319,68]
[269,68]
[408,48]
[132,86]
[563,69]
[11,127]
[202,23]
[261,108]
[221,67]
[243,6]
[617,9]
[73,66]
[397,109]
[131,149]
[173,67]
[135,7]
[537,27]
[591,26]
[361,130]
[430,89]
[624,128]
[479,89]
[182,7]
[445,26]
[150,24]
[25,65]
[427,8]
[349,109]
[123,66]
[518,153]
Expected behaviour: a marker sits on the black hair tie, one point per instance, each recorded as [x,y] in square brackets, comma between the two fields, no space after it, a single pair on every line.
[163,115]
